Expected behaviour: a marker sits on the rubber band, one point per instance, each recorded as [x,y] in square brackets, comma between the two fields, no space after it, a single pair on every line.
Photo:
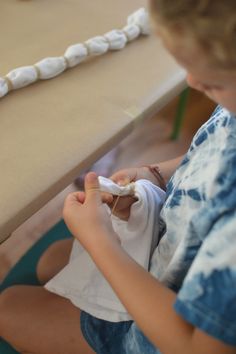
[139,27]
[115,204]
[108,41]
[126,35]
[37,72]
[9,83]
[132,186]
[87,47]
[66,62]
[94,189]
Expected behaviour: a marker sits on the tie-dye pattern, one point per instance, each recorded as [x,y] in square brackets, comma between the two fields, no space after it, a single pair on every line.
[196,256]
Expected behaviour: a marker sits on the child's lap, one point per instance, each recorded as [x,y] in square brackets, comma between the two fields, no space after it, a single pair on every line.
[115,338]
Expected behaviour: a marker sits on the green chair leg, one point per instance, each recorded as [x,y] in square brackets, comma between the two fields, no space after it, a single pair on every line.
[179,117]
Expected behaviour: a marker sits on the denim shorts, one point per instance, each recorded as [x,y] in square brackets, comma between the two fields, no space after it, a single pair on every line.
[114,338]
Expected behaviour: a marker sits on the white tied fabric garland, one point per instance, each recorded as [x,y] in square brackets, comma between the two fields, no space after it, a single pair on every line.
[137,24]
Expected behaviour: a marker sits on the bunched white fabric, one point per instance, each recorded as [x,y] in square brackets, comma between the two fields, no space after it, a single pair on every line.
[137,24]
[82,283]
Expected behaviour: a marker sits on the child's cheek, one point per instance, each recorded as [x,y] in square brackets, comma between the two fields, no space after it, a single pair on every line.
[224,98]
[211,95]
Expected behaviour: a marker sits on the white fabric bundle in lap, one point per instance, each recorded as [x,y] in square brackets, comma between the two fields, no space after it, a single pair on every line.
[82,283]
[137,24]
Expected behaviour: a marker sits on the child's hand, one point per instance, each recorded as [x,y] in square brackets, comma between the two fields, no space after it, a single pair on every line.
[132,174]
[86,217]
[123,177]
[121,206]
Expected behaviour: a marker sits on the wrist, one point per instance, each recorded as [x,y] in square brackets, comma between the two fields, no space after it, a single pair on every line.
[156,172]
[103,242]
[105,252]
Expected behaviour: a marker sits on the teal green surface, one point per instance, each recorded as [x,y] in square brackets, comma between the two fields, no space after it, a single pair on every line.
[24,272]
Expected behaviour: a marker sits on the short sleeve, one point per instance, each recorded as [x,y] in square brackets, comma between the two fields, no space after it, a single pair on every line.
[207,298]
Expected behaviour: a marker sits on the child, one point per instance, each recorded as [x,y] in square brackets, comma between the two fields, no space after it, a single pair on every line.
[187,303]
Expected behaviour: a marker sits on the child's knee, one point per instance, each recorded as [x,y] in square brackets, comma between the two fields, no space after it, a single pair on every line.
[44,265]
[7,300]
[53,260]
[9,320]
[9,296]
[6,297]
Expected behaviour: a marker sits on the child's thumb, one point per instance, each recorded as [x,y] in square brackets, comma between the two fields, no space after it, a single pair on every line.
[92,189]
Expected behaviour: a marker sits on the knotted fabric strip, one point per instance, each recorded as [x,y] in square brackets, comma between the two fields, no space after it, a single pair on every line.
[137,24]
[82,283]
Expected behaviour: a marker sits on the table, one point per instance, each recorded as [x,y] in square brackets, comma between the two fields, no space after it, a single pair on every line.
[54,129]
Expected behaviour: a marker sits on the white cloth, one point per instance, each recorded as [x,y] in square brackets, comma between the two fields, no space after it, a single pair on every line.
[137,24]
[82,283]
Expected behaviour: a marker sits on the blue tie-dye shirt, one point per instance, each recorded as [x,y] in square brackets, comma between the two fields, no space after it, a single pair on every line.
[196,256]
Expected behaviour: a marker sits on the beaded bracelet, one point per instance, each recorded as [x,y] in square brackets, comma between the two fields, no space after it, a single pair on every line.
[155,170]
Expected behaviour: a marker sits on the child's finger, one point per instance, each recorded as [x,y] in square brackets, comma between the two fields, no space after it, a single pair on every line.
[80,197]
[123,203]
[92,188]
[124,177]
[74,199]
[121,179]
[107,197]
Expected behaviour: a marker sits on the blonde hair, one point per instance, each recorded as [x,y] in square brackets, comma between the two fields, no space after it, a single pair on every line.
[211,22]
